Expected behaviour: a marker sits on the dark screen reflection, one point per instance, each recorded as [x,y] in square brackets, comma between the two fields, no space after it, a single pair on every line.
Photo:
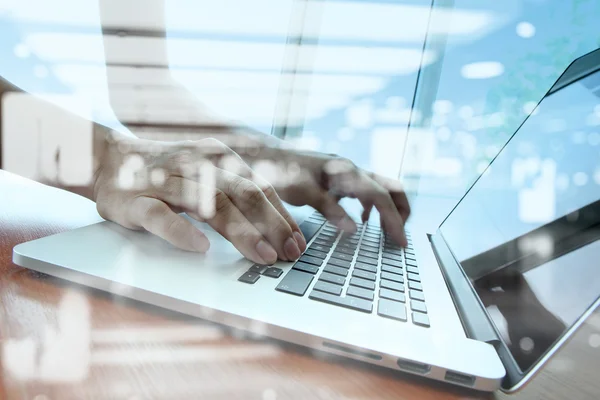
[526,233]
[532,310]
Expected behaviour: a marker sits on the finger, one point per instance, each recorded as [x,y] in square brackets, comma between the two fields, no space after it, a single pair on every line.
[235,227]
[380,197]
[187,193]
[367,208]
[254,205]
[156,217]
[329,207]
[235,164]
[274,199]
[394,187]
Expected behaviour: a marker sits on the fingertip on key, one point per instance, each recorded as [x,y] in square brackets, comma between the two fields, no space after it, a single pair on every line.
[347,225]
[291,249]
[300,240]
[266,252]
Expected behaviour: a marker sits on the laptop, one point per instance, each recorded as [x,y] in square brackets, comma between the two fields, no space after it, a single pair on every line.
[483,302]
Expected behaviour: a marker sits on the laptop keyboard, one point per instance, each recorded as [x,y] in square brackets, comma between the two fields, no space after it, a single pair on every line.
[365,272]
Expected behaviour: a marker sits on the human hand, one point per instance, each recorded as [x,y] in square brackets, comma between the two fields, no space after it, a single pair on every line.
[321,180]
[144,184]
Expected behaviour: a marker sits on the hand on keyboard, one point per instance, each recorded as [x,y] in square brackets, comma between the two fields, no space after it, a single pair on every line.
[142,184]
[325,179]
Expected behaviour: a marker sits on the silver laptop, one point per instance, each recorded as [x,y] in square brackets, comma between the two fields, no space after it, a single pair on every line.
[481,303]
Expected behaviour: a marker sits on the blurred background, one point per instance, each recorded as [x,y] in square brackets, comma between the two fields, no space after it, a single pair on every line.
[425,90]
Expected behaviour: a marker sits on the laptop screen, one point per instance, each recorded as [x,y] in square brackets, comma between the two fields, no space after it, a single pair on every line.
[527,231]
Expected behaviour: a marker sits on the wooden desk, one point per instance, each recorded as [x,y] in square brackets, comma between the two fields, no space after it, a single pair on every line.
[121,349]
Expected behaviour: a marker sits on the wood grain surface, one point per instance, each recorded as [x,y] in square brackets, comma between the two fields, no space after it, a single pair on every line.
[63,341]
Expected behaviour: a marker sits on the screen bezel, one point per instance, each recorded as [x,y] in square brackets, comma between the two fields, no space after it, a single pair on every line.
[515,378]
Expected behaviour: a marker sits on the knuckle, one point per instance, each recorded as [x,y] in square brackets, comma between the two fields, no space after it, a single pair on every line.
[178,158]
[270,193]
[213,146]
[282,227]
[252,194]
[155,212]
[222,202]
[172,227]
[246,191]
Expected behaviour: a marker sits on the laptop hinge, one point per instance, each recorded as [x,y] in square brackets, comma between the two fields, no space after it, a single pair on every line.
[471,311]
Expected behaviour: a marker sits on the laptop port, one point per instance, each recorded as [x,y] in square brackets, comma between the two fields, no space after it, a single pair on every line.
[354,352]
[461,379]
[414,367]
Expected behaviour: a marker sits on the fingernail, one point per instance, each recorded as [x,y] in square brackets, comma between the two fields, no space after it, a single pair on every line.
[346,224]
[266,252]
[201,243]
[300,240]
[291,249]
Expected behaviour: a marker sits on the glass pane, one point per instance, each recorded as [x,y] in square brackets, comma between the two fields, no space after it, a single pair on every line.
[489,82]
[358,70]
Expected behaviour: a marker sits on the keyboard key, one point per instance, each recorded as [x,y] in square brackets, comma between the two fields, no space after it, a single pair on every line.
[311,260]
[371,242]
[318,247]
[316,219]
[420,319]
[326,243]
[360,292]
[366,247]
[394,263]
[369,254]
[345,250]
[347,302]
[332,269]
[391,309]
[365,267]
[328,287]
[295,282]
[316,253]
[412,269]
[249,277]
[259,269]
[413,277]
[309,229]
[409,253]
[393,257]
[327,236]
[330,229]
[364,275]
[419,306]
[331,278]
[390,294]
[415,285]
[342,256]
[394,252]
[385,284]
[416,295]
[392,277]
[346,246]
[371,236]
[273,272]
[363,283]
[302,266]
[393,270]
[412,263]
[339,263]
[367,260]
[410,257]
